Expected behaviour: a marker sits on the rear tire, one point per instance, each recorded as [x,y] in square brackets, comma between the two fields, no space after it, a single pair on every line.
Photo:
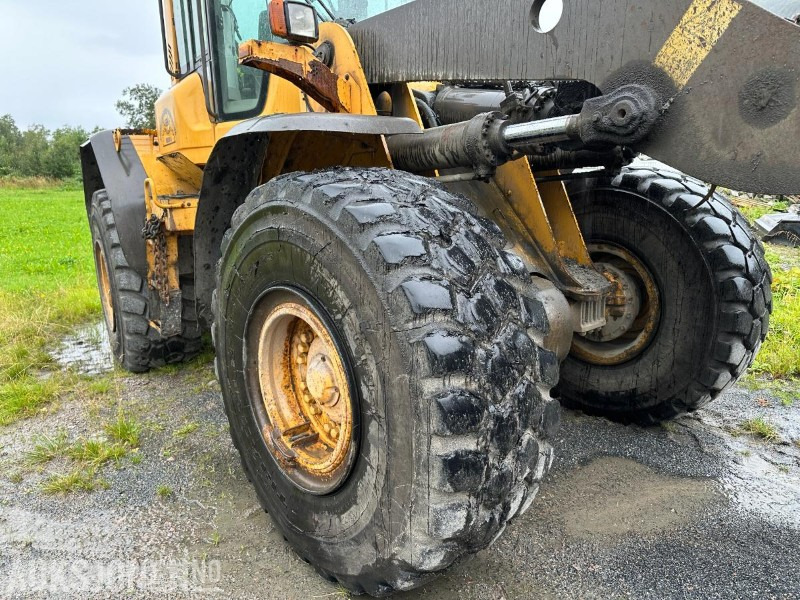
[713,288]
[136,345]
[438,324]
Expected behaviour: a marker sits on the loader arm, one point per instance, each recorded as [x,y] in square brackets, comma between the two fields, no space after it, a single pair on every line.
[726,72]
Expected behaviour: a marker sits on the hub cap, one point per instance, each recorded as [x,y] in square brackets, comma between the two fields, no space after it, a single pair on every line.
[307,397]
[633,309]
[104,283]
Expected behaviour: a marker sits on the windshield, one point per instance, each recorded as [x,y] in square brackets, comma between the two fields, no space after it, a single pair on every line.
[359,9]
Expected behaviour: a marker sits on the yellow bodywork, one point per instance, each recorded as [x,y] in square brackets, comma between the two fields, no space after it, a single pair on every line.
[174,155]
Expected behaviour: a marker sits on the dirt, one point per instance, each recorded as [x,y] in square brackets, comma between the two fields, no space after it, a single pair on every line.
[692,509]
[614,497]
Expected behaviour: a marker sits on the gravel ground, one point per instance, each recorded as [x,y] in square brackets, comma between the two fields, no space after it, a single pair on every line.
[688,510]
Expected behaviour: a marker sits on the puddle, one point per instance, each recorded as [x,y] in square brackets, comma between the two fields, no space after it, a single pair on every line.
[613,497]
[761,477]
[87,351]
[764,480]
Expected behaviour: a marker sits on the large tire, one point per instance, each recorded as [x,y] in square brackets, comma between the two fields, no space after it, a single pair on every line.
[439,324]
[714,288]
[136,345]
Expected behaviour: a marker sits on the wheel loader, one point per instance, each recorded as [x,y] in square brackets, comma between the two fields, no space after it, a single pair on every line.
[416,229]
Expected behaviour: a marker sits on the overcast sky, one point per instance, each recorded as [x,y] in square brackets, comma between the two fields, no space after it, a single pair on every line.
[66,62]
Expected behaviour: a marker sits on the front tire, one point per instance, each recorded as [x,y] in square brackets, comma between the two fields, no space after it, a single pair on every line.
[436,324]
[709,311]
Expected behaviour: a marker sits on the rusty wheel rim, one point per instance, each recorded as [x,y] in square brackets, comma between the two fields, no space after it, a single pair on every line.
[639,288]
[306,395]
[104,283]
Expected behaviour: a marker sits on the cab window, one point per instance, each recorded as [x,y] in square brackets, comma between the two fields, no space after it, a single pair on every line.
[241,91]
[185,57]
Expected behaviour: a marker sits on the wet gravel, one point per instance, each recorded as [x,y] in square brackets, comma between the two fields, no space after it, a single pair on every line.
[687,510]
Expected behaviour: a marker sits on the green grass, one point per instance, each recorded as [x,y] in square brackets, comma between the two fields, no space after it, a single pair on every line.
[760,428]
[97,452]
[164,491]
[81,479]
[101,387]
[753,212]
[780,355]
[125,430]
[47,287]
[186,430]
[24,396]
[85,457]
[47,448]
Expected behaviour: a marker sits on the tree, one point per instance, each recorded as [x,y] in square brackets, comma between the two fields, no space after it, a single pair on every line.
[10,142]
[62,159]
[32,152]
[138,106]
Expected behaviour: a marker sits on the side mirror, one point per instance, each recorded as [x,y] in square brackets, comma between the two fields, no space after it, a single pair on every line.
[294,20]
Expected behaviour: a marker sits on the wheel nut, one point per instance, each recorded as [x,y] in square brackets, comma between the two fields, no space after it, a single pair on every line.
[307,398]
[301,359]
[306,338]
[303,348]
[334,433]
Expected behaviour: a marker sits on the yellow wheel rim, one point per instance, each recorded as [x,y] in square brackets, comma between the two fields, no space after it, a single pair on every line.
[597,349]
[306,395]
[104,283]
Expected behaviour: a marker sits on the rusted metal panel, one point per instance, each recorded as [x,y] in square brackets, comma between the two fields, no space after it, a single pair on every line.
[727,71]
[298,65]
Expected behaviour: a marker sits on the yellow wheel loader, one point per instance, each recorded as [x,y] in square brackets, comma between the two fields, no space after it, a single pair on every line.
[415,229]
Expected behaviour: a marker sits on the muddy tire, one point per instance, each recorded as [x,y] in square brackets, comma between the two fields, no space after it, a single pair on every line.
[136,345]
[713,296]
[437,324]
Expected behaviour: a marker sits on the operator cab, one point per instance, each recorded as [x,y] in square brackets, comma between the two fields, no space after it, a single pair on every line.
[205,40]
[203,36]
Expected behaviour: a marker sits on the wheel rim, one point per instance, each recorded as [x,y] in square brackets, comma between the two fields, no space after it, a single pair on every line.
[633,311]
[104,283]
[306,394]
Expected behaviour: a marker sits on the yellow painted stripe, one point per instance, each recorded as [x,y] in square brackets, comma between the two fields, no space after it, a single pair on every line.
[693,39]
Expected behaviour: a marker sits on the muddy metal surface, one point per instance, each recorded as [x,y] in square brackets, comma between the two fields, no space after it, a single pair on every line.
[689,510]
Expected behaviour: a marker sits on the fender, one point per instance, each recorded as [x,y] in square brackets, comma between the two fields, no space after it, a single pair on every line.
[122,175]
[236,168]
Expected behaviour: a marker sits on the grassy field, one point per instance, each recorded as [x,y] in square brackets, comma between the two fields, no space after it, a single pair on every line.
[780,354]
[47,287]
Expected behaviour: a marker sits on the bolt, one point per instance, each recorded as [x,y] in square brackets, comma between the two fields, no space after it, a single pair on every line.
[334,433]
[301,359]
[303,348]
[307,398]
[306,338]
